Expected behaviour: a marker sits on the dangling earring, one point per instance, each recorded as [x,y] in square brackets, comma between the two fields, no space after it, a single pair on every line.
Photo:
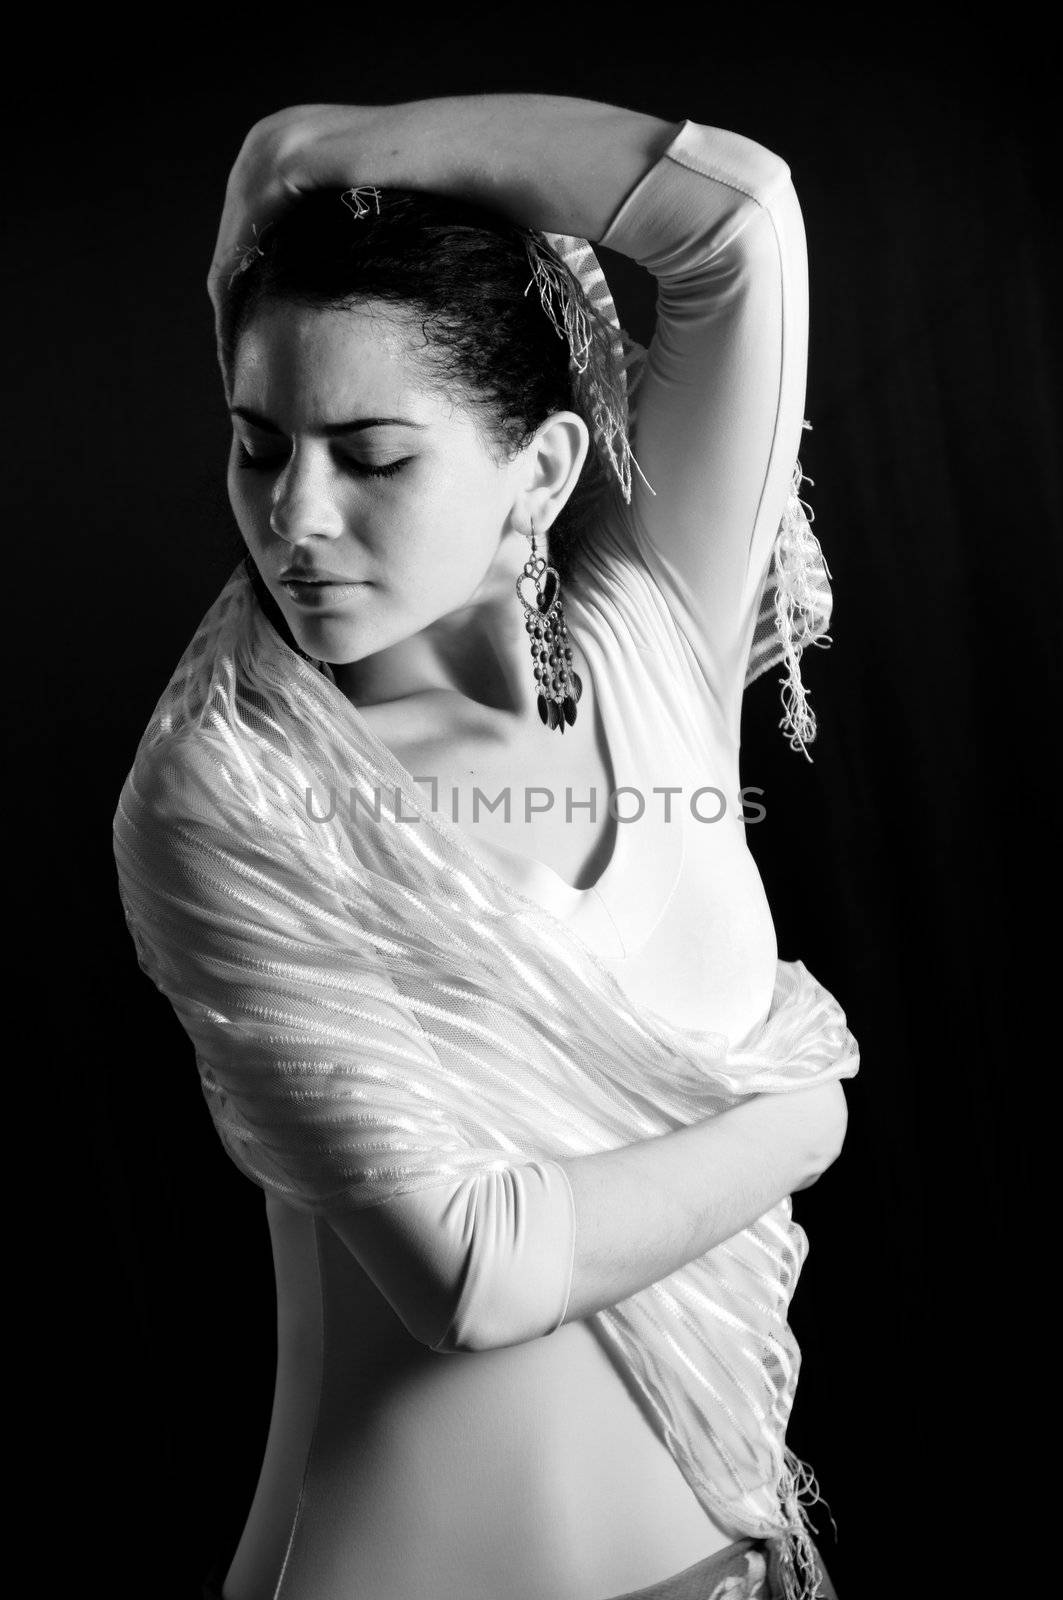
[559,684]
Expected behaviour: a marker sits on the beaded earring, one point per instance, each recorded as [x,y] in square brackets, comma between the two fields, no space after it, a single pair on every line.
[560,685]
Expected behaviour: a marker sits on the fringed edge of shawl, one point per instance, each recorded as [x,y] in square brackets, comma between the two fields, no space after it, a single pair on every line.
[603,381]
[797,557]
[798,1567]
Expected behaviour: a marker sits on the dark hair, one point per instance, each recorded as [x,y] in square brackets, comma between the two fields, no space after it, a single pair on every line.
[464,271]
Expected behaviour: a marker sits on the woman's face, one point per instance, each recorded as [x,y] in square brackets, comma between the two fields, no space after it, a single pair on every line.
[371,504]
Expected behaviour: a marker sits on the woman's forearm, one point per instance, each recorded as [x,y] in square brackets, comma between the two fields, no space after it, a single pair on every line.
[551,162]
[548,161]
[646,1209]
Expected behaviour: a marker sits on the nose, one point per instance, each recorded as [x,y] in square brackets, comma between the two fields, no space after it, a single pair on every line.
[304,501]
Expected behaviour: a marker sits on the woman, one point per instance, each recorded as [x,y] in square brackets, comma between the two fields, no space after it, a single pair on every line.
[522,1084]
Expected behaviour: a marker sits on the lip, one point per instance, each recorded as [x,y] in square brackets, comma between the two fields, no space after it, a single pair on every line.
[322,592]
[315,575]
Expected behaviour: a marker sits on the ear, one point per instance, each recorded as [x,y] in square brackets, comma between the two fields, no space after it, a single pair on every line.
[551,465]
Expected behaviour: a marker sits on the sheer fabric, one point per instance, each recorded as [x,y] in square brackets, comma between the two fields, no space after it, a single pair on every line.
[374,1012]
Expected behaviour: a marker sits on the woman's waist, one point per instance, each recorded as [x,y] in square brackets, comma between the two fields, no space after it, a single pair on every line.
[538,1446]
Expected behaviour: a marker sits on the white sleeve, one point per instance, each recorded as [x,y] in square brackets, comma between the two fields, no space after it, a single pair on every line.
[476,1264]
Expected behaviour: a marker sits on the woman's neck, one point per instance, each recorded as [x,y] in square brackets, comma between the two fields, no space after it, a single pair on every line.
[480,651]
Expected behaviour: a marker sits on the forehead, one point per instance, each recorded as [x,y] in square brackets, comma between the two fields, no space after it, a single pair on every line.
[296,361]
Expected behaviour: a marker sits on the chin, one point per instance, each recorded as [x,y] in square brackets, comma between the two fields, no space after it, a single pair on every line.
[333,636]
[330,640]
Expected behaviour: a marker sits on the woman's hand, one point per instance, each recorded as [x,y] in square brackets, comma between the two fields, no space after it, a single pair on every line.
[283,156]
[645,1209]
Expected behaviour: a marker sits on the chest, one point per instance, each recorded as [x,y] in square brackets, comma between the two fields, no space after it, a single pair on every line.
[678,911]
[515,786]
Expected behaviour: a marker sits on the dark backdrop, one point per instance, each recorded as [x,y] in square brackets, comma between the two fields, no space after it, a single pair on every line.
[895,863]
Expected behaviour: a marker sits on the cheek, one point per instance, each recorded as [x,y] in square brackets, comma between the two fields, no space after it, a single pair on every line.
[443,543]
[468,496]
[446,516]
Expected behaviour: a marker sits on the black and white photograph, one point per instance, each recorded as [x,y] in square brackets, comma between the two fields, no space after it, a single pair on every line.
[541,534]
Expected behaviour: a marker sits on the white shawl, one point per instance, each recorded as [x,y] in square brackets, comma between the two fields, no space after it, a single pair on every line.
[374,1012]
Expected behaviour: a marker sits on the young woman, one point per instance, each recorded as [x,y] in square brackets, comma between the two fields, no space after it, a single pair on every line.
[518,1066]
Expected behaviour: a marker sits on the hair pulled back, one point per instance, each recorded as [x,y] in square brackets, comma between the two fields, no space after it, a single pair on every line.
[465,272]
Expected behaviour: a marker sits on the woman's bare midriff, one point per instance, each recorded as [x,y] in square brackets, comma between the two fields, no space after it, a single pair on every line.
[393,1472]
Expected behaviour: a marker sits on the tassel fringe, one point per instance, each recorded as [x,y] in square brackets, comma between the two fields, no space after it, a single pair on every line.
[561,303]
[246,254]
[355,199]
[595,352]
[797,557]
[798,1567]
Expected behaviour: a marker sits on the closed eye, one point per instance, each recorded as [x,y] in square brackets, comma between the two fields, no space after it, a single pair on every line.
[261,463]
[387,470]
[273,463]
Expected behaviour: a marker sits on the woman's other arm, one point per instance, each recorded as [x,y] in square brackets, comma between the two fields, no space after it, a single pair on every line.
[508,1256]
[317,1068]
[646,1209]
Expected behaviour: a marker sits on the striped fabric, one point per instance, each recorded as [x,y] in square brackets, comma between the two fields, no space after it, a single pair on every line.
[375,1012]
[795,605]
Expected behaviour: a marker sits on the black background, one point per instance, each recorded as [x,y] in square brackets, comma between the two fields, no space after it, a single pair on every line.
[897,864]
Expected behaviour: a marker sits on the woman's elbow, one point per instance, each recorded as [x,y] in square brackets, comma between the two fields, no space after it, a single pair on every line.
[749,166]
[494,1323]
[516,1274]
[462,1337]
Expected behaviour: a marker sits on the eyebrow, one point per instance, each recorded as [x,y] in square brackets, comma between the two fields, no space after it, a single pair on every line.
[330,430]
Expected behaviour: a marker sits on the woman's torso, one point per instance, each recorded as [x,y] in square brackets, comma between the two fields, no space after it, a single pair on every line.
[530,1472]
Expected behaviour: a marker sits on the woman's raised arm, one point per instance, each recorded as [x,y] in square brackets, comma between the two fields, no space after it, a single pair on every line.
[720,405]
[551,162]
